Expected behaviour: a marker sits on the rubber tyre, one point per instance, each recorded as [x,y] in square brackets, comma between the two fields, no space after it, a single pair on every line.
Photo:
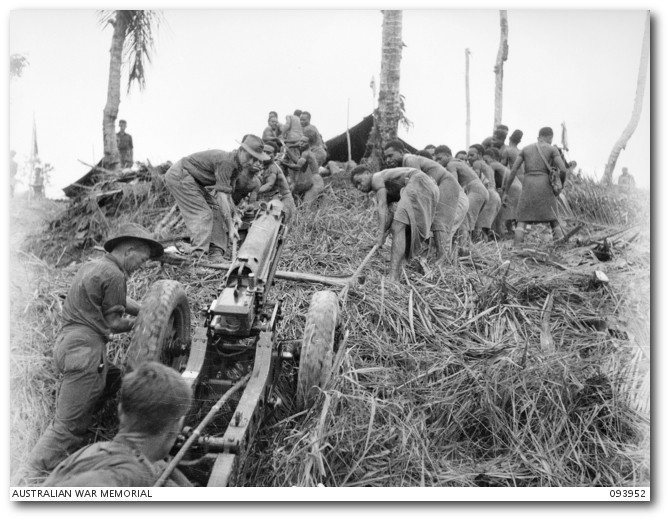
[162,327]
[316,354]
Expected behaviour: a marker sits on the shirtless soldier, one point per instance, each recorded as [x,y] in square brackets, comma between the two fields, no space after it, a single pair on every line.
[493,204]
[417,196]
[473,187]
[274,183]
[447,217]
[303,171]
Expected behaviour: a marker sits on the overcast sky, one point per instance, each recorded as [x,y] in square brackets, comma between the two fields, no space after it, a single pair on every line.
[216,74]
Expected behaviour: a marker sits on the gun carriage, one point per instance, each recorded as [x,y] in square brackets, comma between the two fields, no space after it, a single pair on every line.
[236,347]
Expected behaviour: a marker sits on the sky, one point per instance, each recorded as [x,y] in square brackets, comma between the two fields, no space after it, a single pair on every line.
[215,74]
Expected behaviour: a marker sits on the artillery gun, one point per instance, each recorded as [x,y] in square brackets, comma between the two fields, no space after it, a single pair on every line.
[239,332]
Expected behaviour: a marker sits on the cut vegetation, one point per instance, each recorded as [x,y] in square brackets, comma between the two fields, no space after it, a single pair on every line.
[507,369]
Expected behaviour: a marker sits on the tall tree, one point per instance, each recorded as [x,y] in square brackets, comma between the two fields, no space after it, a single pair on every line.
[132,44]
[390,107]
[637,107]
[467,98]
[503,49]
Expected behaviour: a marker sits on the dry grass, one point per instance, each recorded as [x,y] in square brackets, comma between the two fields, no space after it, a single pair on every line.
[609,205]
[468,379]
[34,290]
[505,370]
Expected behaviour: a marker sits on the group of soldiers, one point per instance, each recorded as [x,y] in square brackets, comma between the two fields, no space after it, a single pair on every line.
[208,188]
[212,187]
[491,191]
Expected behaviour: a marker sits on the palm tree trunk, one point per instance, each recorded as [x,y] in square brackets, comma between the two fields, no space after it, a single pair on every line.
[112,160]
[637,107]
[388,112]
[503,49]
[467,98]
[389,91]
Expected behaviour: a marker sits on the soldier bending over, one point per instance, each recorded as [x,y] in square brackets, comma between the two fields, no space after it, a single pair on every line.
[417,196]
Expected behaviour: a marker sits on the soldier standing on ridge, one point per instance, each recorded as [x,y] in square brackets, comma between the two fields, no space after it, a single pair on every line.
[124,142]
[626,179]
[537,203]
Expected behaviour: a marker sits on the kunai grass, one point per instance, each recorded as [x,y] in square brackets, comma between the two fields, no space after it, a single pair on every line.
[504,369]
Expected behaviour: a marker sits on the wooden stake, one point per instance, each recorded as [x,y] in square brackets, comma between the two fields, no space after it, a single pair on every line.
[351,281]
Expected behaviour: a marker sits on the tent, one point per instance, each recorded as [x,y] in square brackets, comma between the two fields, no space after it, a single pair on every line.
[337,146]
[87,180]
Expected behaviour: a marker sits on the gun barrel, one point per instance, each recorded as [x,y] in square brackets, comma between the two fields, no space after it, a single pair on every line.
[250,274]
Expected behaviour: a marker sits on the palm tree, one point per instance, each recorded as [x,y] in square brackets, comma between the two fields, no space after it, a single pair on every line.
[637,107]
[390,108]
[132,44]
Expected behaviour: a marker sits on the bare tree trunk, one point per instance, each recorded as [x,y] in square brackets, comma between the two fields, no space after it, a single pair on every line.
[389,89]
[467,98]
[498,69]
[111,159]
[388,112]
[637,107]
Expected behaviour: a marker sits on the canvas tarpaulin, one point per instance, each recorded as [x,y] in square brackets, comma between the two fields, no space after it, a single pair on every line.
[337,146]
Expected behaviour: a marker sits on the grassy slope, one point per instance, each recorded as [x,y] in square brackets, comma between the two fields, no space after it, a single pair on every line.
[464,379]
[34,307]
[463,376]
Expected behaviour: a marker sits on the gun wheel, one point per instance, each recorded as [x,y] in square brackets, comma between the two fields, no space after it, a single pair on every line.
[163,327]
[316,355]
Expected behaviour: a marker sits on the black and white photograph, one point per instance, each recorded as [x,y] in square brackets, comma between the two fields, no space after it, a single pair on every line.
[386,254]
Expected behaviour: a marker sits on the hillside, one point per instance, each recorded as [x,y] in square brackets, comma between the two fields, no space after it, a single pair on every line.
[506,369]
